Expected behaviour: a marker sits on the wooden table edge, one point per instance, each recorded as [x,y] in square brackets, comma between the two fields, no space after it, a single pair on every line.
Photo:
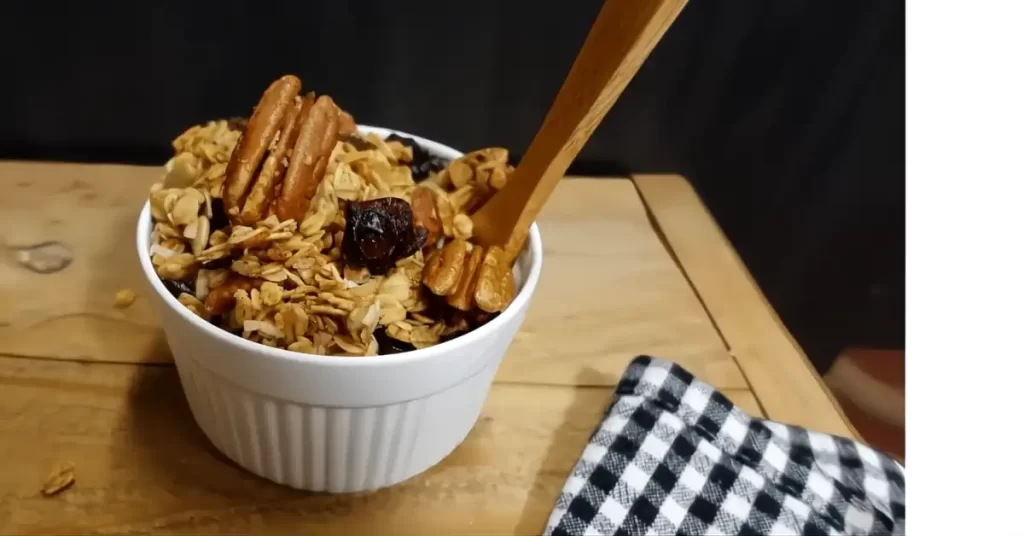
[680,186]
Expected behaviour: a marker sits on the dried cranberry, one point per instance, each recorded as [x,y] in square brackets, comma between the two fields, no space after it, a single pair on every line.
[379,233]
[408,142]
[478,318]
[423,162]
[457,322]
[219,263]
[220,215]
[178,288]
[389,345]
[438,306]
[422,170]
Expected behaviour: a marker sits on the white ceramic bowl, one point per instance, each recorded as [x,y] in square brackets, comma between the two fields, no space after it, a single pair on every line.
[336,424]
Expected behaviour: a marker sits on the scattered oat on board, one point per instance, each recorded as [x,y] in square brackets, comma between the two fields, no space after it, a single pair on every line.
[124,298]
[61,478]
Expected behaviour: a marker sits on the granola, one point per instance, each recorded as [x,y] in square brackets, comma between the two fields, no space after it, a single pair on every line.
[365,248]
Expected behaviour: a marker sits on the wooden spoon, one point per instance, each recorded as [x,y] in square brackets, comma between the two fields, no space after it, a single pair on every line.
[622,36]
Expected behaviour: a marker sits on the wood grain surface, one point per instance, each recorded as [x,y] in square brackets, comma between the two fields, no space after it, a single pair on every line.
[92,210]
[143,465]
[596,303]
[85,383]
[782,378]
[610,291]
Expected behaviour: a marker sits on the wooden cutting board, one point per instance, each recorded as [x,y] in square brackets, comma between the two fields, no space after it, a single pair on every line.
[85,383]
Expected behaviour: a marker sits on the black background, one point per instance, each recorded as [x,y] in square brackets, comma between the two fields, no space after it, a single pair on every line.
[787,115]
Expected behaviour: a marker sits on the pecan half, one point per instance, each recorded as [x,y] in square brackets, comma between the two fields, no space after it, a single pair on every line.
[222,298]
[263,129]
[424,213]
[281,157]
[496,285]
[462,298]
[444,267]
[470,276]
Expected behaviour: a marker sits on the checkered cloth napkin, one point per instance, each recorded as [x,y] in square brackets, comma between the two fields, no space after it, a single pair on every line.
[674,456]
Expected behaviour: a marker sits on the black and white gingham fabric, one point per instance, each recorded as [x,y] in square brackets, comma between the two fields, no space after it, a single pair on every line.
[674,456]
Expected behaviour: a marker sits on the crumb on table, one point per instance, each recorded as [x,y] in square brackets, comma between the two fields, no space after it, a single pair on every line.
[61,478]
[124,298]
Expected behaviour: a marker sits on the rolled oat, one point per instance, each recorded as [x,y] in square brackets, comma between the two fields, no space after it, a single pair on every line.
[124,298]
[61,478]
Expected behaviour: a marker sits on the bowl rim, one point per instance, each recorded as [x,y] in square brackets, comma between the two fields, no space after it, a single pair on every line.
[142,246]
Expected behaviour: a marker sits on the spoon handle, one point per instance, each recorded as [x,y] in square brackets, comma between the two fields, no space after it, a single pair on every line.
[619,41]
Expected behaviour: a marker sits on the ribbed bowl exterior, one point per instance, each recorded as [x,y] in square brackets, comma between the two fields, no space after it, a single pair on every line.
[321,448]
[283,424]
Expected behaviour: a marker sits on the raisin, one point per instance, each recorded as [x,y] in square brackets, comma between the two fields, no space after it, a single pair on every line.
[433,164]
[457,322]
[178,287]
[423,162]
[473,318]
[408,142]
[359,142]
[217,264]
[478,318]
[379,233]
[389,345]
[220,215]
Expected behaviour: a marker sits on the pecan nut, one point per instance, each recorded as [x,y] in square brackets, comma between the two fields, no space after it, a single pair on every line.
[496,285]
[463,296]
[425,214]
[222,298]
[470,276]
[281,157]
[444,267]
